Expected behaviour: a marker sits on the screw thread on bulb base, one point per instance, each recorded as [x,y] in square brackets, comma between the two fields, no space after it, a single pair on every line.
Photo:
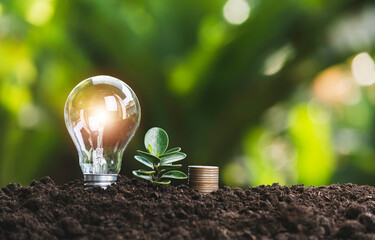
[100,180]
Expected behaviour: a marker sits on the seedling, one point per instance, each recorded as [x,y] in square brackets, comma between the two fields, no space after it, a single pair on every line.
[158,159]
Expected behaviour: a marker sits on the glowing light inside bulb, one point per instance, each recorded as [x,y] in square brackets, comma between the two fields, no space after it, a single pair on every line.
[98,121]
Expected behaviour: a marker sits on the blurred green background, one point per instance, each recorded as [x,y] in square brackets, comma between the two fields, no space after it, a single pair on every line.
[269,90]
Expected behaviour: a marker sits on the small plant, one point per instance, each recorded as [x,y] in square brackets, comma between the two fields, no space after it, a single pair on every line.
[159,159]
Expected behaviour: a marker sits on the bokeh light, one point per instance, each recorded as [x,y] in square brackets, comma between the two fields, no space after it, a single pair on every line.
[363,68]
[40,12]
[276,61]
[236,11]
[335,85]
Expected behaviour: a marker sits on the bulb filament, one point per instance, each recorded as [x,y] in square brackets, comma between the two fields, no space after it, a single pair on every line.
[97,124]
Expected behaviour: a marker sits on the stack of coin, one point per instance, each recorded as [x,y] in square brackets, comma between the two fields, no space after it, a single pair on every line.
[204,178]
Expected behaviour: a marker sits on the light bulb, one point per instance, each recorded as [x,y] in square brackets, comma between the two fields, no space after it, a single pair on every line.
[102,114]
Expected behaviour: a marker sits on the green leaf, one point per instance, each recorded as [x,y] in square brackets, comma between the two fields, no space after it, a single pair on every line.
[163,182]
[138,175]
[149,157]
[172,150]
[156,141]
[141,171]
[149,148]
[173,157]
[174,174]
[144,161]
[169,166]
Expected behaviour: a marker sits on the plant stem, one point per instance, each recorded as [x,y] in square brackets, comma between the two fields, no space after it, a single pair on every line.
[156,172]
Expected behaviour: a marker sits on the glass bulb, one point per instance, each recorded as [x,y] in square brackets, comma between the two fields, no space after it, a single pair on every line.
[102,114]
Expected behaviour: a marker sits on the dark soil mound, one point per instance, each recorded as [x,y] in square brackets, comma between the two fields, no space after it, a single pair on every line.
[135,209]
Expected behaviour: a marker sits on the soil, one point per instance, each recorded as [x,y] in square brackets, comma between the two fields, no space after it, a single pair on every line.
[136,209]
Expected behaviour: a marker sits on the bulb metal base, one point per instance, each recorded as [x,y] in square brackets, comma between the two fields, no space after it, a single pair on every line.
[100,180]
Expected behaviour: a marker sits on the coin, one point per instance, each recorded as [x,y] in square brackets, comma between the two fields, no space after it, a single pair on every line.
[204,178]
